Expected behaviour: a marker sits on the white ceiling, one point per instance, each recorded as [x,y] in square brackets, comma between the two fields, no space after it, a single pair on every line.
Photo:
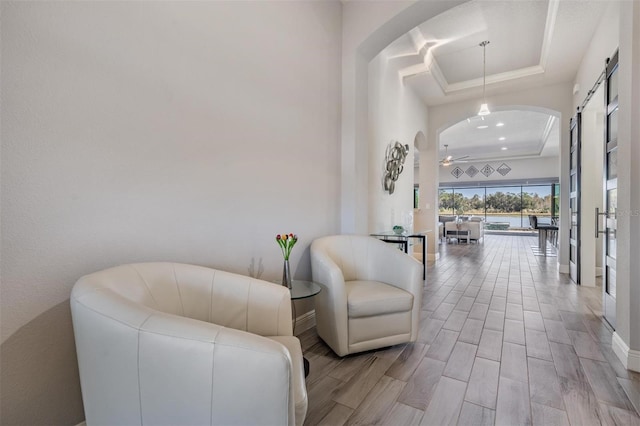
[524,134]
[533,43]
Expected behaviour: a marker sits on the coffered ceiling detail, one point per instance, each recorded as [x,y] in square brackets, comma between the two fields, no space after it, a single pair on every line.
[533,43]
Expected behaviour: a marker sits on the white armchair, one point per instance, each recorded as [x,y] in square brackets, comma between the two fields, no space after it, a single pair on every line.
[471,230]
[476,229]
[372,293]
[457,230]
[168,343]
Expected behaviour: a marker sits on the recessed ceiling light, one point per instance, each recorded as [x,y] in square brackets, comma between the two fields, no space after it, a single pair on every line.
[482,127]
[501,138]
[504,148]
[499,124]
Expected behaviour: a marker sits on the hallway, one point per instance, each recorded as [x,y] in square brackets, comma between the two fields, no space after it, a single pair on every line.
[504,339]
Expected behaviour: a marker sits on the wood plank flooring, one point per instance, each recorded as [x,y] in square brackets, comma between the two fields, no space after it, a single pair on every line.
[504,339]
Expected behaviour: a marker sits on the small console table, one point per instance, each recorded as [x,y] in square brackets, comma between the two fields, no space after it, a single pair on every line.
[458,234]
[403,240]
[301,289]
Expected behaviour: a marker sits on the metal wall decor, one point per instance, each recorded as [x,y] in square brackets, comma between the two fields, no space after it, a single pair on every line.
[457,172]
[394,164]
[503,169]
[472,171]
[487,170]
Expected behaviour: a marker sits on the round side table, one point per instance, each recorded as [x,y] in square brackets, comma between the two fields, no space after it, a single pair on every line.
[301,289]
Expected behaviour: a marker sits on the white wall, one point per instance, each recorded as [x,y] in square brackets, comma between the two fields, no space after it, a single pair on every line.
[395,114]
[603,44]
[135,131]
[591,187]
[534,168]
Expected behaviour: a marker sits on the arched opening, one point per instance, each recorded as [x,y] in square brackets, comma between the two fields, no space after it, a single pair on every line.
[360,47]
[369,39]
[503,169]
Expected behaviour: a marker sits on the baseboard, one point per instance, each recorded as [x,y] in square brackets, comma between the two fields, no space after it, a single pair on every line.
[629,358]
[598,271]
[433,256]
[305,322]
[563,269]
[82,424]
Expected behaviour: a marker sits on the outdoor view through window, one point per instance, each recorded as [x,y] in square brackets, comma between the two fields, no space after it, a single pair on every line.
[504,208]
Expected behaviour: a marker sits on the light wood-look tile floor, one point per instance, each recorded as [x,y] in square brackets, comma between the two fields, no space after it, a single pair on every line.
[504,339]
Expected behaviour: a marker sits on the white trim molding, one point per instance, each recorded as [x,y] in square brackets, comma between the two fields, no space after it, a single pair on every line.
[433,256]
[305,322]
[630,358]
[563,269]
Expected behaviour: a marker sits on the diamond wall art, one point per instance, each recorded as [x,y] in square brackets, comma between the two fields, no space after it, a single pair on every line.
[487,170]
[472,171]
[503,169]
[457,172]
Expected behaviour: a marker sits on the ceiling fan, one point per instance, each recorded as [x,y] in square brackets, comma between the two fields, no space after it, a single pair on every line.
[448,159]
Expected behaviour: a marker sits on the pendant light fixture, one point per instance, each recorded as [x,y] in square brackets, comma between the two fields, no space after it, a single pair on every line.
[484,109]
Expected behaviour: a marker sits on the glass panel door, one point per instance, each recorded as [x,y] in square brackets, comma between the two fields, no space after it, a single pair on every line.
[610,177]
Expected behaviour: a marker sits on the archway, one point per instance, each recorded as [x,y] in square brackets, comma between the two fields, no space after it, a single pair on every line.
[504,166]
[368,29]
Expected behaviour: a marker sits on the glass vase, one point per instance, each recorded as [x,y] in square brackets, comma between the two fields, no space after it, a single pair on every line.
[286,275]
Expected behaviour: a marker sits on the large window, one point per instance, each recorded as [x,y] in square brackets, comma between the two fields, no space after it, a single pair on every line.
[536,200]
[505,207]
[471,201]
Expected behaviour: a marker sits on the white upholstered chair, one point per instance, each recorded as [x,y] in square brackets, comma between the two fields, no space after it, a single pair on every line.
[472,230]
[457,230]
[168,343]
[476,229]
[371,296]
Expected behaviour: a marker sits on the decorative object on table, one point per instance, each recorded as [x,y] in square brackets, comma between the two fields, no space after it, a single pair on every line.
[398,229]
[286,243]
[394,164]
